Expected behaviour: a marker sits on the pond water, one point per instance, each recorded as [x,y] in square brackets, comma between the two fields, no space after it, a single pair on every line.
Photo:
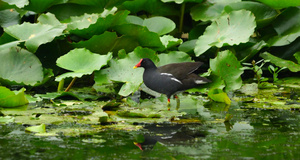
[250,134]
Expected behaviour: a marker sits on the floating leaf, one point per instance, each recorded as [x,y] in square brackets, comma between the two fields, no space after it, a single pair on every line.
[18,66]
[230,29]
[219,96]
[12,99]
[37,129]
[7,119]
[292,66]
[228,68]
[81,62]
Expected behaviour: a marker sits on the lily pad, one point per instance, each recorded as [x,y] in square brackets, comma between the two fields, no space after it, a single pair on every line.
[12,99]
[81,62]
[37,129]
[230,29]
[219,96]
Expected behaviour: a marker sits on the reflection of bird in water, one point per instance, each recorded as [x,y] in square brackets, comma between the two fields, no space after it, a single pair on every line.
[167,133]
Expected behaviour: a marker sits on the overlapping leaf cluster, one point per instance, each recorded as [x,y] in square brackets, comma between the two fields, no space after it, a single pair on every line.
[109,37]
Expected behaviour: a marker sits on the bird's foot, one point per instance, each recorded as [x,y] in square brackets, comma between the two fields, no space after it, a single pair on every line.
[169,104]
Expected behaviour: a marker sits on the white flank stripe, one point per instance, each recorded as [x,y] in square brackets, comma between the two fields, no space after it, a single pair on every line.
[174,79]
[200,82]
[167,74]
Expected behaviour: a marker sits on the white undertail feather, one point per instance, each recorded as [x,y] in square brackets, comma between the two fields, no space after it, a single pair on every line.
[174,79]
[200,82]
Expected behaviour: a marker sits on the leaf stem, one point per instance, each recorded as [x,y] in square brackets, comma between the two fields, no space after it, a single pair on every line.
[71,84]
[181,17]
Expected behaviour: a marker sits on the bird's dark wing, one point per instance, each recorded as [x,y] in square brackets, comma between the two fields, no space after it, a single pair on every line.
[180,70]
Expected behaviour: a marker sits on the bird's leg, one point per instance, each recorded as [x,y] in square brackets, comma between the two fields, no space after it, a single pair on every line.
[177,102]
[169,104]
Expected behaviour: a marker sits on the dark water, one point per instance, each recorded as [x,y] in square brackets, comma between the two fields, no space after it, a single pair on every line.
[250,134]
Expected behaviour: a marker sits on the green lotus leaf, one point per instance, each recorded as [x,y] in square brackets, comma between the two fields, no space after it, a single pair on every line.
[226,66]
[181,1]
[18,66]
[143,36]
[263,14]
[297,56]
[87,28]
[34,34]
[152,7]
[37,129]
[18,3]
[169,41]
[41,6]
[12,98]
[188,46]
[288,31]
[278,4]
[9,17]
[230,29]
[219,96]
[135,20]
[210,10]
[108,42]
[81,62]
[292,66]
[159,25]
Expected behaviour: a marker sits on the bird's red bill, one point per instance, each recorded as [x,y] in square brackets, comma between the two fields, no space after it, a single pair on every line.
[139,64]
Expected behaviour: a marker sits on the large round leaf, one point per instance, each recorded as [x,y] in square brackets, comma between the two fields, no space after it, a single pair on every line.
[142,35]
[34,34]
[230,29]
[159,25]
[18,3]
[81,62]
[18,66]
[108,42]
[9,17]
[228,68]
[263,13]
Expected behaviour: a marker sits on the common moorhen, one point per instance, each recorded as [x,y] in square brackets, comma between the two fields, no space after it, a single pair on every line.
[171,78]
